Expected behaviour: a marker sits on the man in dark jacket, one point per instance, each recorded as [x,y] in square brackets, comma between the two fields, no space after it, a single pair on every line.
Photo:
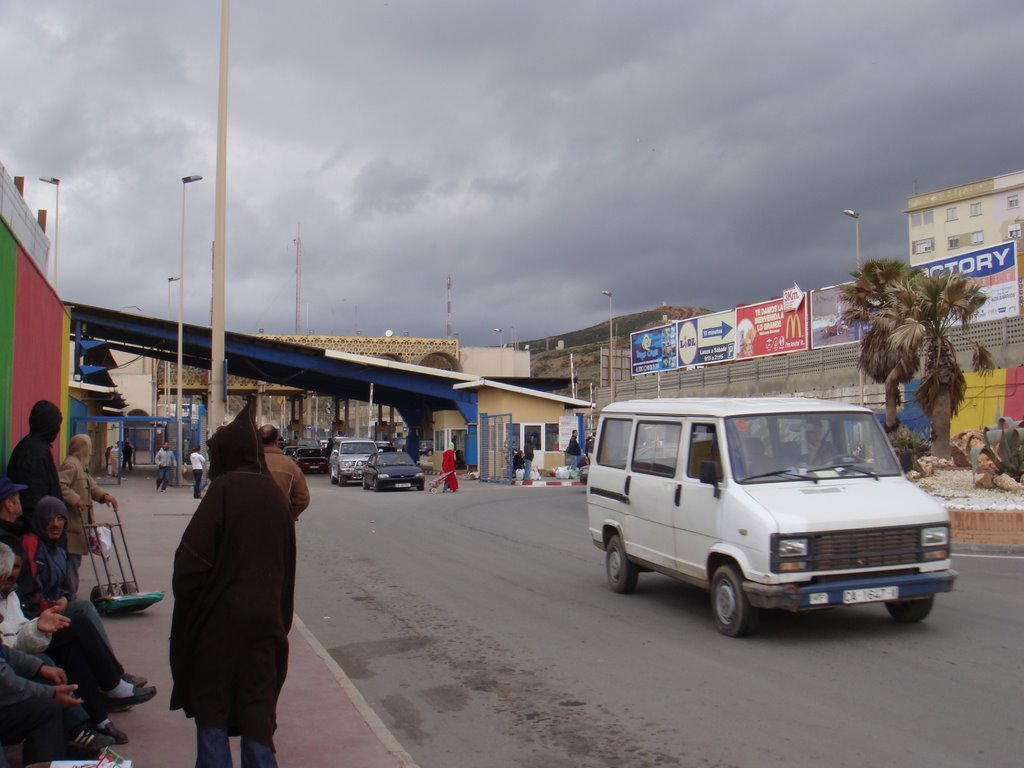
[234,583]
[32,463]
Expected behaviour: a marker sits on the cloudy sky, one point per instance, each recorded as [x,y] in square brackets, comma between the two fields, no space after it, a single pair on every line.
[538,152]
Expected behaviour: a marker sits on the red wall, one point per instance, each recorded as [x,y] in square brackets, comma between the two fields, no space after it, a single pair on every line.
[40,345]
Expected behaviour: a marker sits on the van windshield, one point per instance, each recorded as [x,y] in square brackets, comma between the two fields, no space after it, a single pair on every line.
[788,447]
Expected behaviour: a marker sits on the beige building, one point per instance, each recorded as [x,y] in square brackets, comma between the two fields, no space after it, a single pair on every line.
[966,217]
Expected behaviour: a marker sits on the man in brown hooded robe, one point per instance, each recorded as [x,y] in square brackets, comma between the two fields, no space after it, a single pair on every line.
[233,584]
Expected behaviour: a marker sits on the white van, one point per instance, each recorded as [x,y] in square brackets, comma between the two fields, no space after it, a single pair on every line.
[784,503]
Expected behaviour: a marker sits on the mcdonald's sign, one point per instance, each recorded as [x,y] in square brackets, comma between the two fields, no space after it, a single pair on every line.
[794,326]
[768,328]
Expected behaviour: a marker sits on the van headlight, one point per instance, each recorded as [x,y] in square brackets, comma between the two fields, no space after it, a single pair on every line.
[935,537]
[935,542]
[791,548]
[787,550]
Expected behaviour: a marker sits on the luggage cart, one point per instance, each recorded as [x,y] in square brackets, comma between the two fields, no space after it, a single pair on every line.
[436,484]
[117,589]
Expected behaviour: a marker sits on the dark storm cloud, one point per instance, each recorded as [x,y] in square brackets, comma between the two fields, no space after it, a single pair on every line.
[538,152]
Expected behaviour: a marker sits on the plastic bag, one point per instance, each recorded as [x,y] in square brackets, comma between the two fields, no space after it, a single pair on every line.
[519,474]
[101,542]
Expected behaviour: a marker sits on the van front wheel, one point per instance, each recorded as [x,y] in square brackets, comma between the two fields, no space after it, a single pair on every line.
[910,611]
[734,615]
[622,574]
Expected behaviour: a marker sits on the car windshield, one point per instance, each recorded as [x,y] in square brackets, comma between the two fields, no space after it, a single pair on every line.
[790,447]
[357,448]
[393,459]
[309,452]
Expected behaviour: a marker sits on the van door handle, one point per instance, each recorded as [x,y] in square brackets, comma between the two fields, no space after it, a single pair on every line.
[625,489]
[679,493]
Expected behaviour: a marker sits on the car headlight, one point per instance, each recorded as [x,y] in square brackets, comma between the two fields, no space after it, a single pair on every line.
[935,537]
[419,475]
[383,475]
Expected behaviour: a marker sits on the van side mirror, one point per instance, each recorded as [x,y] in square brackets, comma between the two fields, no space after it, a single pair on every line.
[709,475]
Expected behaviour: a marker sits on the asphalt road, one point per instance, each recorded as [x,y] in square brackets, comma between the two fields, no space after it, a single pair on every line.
[480,627]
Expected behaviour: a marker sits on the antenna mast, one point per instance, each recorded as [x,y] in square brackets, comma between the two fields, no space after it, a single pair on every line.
[448,327]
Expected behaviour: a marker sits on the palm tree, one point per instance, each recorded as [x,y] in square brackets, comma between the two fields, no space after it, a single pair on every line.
[921,313]
[865,301]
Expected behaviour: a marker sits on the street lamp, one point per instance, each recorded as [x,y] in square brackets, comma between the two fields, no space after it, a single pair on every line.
[185,181]
[56,225]
[167,365]
[611,346]
[501,340]
[856,220]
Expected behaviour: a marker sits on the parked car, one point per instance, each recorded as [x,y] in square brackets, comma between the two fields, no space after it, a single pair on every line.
[392,469]
[311,460]
[289,450]
[348,459]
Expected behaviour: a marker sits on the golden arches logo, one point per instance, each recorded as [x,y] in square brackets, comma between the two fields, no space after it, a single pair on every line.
[794,327]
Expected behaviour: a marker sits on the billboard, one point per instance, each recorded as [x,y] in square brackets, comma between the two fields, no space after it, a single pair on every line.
[827,326]
[653,350]
[995,268]
[707,339]
[772,327]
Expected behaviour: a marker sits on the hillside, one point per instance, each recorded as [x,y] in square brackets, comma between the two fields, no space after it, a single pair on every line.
[585,344]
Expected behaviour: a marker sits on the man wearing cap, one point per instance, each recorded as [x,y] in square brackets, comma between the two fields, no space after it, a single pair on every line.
[32,464]
[12,525]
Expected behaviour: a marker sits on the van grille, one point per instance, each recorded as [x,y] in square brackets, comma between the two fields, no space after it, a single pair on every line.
[869,548]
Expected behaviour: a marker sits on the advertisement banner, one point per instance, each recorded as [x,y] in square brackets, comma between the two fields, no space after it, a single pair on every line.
[707,339]
[653,350]
[827,326]
[768,328]
[995,268]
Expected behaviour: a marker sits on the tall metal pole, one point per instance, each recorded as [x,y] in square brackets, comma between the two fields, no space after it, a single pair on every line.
[611,348]
[217,376]
[855,215]
[298,281]
[167,365]
[185,181]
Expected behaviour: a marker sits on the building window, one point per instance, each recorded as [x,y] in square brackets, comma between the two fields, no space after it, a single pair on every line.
[1013,231]
[977,238]
[951,214]
[953,243]
[1013,201]
[924,246]
[975,209]
[921,217]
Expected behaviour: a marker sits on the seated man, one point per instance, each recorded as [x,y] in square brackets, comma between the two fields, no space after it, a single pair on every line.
[30,712]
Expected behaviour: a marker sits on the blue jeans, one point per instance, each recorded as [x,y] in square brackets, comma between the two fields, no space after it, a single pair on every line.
[163,476]
[527,468]
[197,489]
[213,751]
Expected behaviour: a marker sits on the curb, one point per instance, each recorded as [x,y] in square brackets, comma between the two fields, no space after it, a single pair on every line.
[543,483]
[380,730]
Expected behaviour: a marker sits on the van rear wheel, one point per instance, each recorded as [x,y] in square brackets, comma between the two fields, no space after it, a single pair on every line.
[910,611]
[734,615]
[622,574]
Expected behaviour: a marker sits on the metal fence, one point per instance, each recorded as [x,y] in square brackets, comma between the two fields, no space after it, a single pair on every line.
[495,440]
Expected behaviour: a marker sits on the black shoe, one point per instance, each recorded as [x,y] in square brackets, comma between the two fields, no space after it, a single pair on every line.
[139,695]
[119,736]
[90,739]
[136,680]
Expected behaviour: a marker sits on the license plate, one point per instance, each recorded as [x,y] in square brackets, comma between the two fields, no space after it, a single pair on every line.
[403,485]
[872,595]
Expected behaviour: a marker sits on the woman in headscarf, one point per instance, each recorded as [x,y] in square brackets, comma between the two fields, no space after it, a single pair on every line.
[233,583]
[79,491]
[451,482]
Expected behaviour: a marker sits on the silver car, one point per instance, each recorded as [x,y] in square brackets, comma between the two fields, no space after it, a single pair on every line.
[348,459]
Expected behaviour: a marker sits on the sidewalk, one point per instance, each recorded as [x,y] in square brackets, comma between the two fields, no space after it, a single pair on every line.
[322,718]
